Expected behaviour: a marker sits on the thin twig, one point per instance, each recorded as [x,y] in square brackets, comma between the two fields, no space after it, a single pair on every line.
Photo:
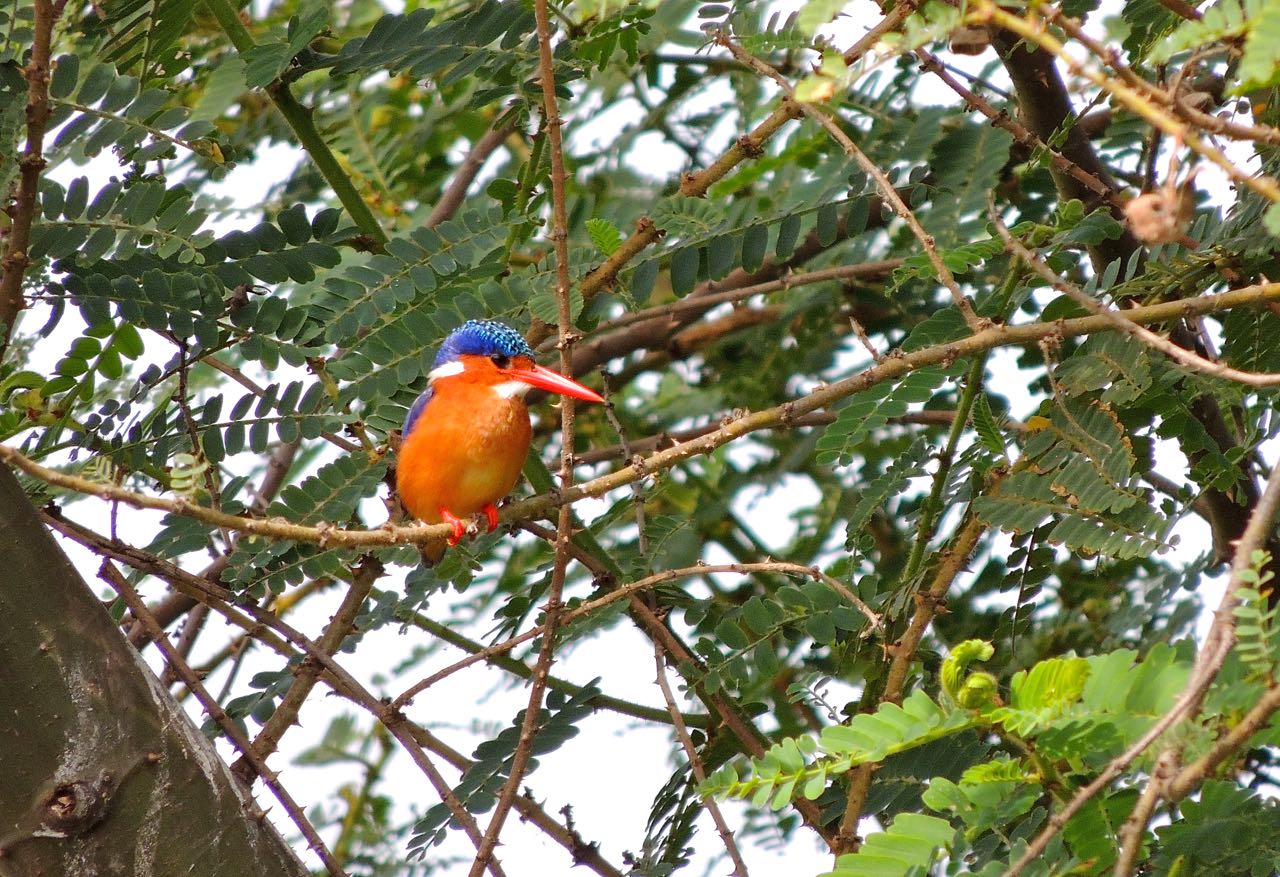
[1186,358]
[695,764]
[695,185]
[451,198]
[1134,829]
[521,670]
[626,591]
[648,444]
[1198,771]
[928,602]
[787,281]
[730,712]
[1020,132]
[344,683]
[112,576]
[1135,98]
[308,672]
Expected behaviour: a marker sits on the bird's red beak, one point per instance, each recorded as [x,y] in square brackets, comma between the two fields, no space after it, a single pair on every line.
[554,382]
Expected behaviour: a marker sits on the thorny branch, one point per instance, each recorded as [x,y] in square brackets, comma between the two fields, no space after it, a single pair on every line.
[1186,358]
[695,764]
[308,672]
[903,653]
[1135,95]
[887,191]
[264,625]
[627,591]
[14,264]
[783,415]
[552,610]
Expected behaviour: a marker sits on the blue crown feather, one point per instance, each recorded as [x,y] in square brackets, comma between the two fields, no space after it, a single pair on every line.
[482,338]
[472,338]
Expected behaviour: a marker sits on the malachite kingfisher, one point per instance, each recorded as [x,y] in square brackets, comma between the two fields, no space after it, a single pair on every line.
[466,437]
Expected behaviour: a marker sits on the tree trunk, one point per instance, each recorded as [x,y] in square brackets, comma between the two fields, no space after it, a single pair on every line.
[101,771]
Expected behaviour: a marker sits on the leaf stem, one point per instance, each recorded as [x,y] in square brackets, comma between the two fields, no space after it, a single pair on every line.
[304,128]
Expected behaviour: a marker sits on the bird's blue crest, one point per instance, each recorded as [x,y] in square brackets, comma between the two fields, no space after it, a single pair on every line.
[482,338]
[474,338]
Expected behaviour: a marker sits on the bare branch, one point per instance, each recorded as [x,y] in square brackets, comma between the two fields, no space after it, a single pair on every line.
[695,764]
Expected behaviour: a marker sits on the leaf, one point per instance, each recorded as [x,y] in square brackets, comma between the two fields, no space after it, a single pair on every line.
[908,846]
[1271,219]
[871,409]
[143,31]
[684,270]
[967,164]
[985,425]
[605,235]
[872,496]
[1218,22]
[815,13]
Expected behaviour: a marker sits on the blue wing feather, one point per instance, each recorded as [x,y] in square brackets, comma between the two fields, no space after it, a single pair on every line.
[415,412]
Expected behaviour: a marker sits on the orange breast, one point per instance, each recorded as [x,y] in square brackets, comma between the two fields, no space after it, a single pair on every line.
[466,450]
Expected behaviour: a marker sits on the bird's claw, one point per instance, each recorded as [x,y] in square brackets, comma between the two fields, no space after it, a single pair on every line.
[459,528]
[491,514]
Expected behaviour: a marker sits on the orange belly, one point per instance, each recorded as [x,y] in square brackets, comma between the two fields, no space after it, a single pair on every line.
[466,451]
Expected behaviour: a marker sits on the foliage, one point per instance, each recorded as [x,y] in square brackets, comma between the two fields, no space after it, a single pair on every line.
[958,546]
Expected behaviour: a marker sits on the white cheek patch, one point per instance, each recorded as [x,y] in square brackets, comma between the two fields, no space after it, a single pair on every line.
[511,389]
[448,370]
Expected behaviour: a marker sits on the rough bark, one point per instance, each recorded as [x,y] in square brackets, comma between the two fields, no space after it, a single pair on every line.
[101,771]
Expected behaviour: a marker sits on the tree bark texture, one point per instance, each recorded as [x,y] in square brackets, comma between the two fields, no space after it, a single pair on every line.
[101,772]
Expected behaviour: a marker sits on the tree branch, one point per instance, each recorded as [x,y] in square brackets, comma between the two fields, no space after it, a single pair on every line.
[14,264]
[783,415]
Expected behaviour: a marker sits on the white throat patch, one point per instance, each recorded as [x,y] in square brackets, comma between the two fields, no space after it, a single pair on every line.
[512,389]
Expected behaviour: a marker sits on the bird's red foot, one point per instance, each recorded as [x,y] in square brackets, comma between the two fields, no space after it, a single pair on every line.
[459,528]
[491,513]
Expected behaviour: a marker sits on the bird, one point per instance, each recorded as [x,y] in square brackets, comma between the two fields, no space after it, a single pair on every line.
[466,437]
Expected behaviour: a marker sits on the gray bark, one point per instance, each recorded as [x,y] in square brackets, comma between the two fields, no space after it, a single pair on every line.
[102,773]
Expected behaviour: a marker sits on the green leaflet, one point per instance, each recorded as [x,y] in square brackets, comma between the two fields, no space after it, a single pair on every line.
[116,112]
[913,841]
[1113,363]
[1218,22]
[871,409]
[605,235]
[867,737]
[967,163]
[873,495]
[1081,476]
[1260,66]
[143,32]
[411,43]
[378,290]
[558,723]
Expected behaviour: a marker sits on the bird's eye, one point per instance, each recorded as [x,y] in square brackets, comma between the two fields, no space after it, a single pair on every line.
[501,360]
